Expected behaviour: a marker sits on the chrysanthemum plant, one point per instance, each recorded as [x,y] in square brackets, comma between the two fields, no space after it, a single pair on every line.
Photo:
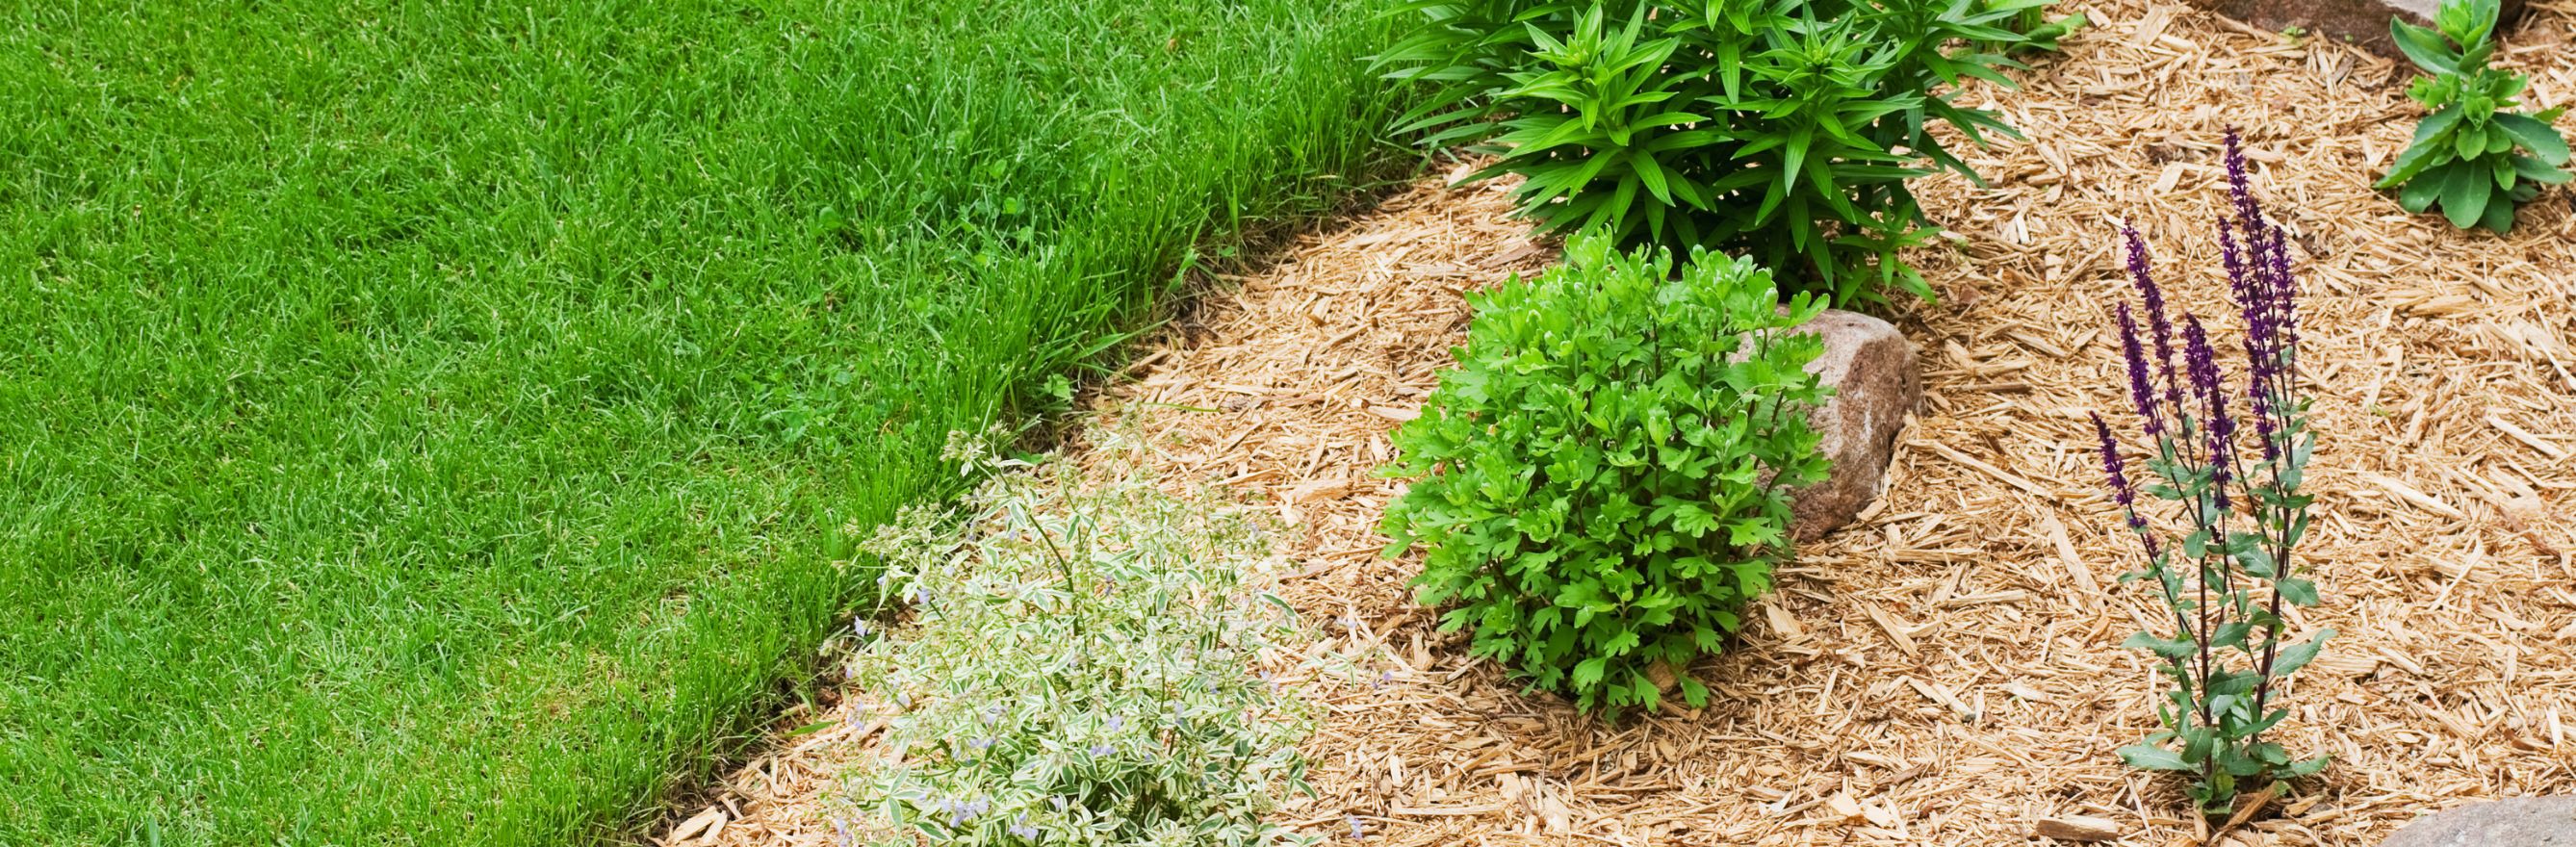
[2226,570]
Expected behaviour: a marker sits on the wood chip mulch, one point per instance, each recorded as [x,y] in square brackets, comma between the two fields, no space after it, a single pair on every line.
[1946,671]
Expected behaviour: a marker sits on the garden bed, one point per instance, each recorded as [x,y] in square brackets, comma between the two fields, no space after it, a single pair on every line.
[1948,670]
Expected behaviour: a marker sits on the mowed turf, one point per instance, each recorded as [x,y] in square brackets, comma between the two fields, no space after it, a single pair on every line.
[435,423]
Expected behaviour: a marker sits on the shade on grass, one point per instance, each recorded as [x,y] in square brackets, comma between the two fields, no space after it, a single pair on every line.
[435,422]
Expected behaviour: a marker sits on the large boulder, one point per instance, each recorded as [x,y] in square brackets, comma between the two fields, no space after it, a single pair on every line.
[2522,822]
[1871,368]
[2361,21]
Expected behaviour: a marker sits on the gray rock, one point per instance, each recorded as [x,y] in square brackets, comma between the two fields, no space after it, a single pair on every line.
[1871,367]
[2520,822]
[2361,21]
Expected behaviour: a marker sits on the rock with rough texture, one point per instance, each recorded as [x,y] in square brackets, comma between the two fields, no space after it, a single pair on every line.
[2364,22]
[1871,368]
[2521,822]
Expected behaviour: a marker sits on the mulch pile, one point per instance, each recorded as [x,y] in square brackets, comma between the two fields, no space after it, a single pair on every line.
[1946,671]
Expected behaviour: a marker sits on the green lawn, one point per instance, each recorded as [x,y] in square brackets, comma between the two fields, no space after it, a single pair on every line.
[433,423]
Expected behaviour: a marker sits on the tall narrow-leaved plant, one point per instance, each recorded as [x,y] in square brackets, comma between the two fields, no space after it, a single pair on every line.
[2227,576]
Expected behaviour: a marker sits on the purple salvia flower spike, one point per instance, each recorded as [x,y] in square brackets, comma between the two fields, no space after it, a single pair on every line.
[2284,290]
[2241,273]
[2153,297]
[2240,187]
[2202,361]
[2117,471]
[2142,391]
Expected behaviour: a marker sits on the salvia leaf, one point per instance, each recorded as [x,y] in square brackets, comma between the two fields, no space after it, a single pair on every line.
[2153,758]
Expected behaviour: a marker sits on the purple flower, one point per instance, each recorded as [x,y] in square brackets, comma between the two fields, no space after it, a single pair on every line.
[1102,750]
[1020,827]
[2153,296]
[2284,291]
[2258,274]
[1116,723]
[2231,254]
[980,745]
[2117,471]
[2240,188]
[2142,391]
[1357,831]
[2203,364]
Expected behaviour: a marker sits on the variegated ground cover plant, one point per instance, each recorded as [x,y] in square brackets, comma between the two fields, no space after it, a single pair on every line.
[1085,666]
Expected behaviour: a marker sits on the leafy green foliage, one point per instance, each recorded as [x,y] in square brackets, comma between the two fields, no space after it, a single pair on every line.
[1603,480]
[1784,130]
[1085,668]
[2472,155]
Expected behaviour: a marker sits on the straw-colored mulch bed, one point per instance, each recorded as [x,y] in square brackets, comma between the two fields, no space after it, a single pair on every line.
[1946,671]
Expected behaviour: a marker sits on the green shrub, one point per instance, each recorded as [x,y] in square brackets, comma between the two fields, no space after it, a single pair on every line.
[1602,482]
[1085,669]
[1785,130]
[2471,155]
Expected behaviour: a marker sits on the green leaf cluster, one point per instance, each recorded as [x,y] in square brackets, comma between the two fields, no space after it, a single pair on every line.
[2472,155]
[1784,130]
[1603,480]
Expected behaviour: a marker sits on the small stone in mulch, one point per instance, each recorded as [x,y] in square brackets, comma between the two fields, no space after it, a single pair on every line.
[2520,822]
[1871,368]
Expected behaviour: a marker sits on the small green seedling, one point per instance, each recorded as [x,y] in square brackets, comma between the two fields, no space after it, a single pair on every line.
[2472,154]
